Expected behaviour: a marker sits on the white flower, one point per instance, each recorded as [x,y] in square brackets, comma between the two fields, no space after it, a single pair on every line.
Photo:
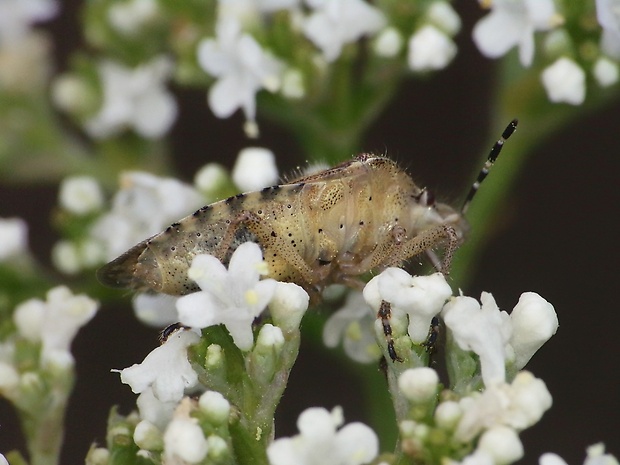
[513,23]
[288,306]
[184,439]
[80,195]
[70,257]
[534,321]
[215,405]
[16,16]
[388,42]
[444,17]
[166,369]
[293,84]
[143,206]
[56,321]
[134,98]
[354,324]
[606,72]
[147,436]
[597,456]
[241,67]
[254,169]
[481,329]
[153,410]
[3,460]
[501,443]
[334,23]
[421,297]
[157,310]
[419,384]
[319,442]
[565,81]
[233,297]
[608,14]
[130,16]
[13,237]
[211,179]
[430,49]
[518,405]
[550,458]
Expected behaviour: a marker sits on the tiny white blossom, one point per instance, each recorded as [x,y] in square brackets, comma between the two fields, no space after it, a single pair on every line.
[241,67]
[147,436]
[135,98]
[254,169]
[270,337]
[353,324]
[608,15]
[320,443]
[16,17]
[421,297]
[184,439]
[335,23]
[80,195]
[9,380]
[56,321]
[419,384]
[443,16]
[447,414]
[210,179]
[388,42]
[518,405]
[215,406]
[565,81]
[534,321]
[606,72]
[597,456]
[293,84]
[513,23]
[13,237]
[482,329]
[166,369]
[157,310]
[550,458]
[3,460]
[144,205]
[153,410]
[430,49]
[288,306]
[502,443]
[233,297]
[130,16]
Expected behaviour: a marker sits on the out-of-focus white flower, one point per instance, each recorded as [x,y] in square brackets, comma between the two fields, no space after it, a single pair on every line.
[9,379]
[608,14]
[513,23]
[320,443]
[80,194]
[130,16]
[482,329]
[3,460]
[134,98]
[71,257]
[293,84]
[605,72]
[166,369]
[335,23]
[534,321]
[565,81]
[184,440]
[143,206]
[148,436]
[13,237]
[254,169]
[518,405]
[16,17]
[502,443]
[447,414]
[596,456]
[550,458]
[233,297]
[442,15]
[56,321]
[354,325]
[241,67]
[211,179]
[419,384]
[430,49]
[158,310]
[388,42]
[421,297]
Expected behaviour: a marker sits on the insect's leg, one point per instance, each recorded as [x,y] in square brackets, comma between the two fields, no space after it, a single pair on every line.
[384,314]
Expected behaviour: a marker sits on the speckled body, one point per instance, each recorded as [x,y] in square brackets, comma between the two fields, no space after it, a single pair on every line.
[326,228]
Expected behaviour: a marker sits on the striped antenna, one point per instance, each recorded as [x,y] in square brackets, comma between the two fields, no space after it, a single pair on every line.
[493,154]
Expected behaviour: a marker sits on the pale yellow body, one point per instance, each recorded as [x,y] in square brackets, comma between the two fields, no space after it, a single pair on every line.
[327,228]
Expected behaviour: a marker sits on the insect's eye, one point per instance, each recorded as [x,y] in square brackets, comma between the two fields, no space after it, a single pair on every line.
[426,198]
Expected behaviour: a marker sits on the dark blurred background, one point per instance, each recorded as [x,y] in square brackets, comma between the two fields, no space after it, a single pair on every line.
[557,235]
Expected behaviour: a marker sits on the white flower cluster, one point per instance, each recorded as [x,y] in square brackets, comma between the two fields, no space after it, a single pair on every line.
[51,324]
[513,23]
[13,238]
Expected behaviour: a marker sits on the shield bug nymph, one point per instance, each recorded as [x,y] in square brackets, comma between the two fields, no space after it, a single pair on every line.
[331,227]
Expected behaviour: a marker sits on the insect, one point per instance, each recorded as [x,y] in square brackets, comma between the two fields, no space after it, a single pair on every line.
[331,227]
